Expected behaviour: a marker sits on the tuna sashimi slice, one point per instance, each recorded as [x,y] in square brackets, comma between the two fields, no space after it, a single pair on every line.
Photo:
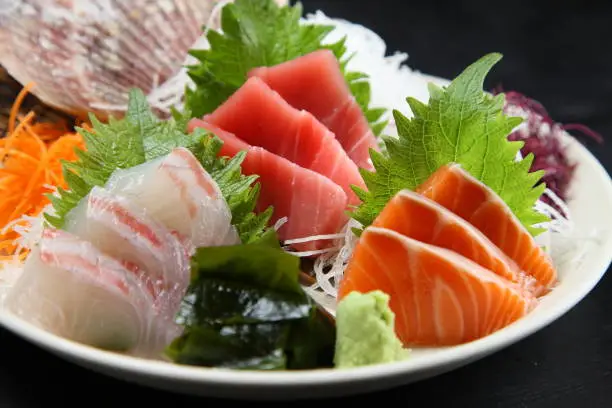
[118,228]
[315,83]
[417,217]
[73,290]
[313,204]
[454,188]
[176,191]
[440,298]
[261,117]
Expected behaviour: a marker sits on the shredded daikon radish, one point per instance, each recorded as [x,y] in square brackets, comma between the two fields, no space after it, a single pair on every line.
[329,267]
[281,221]
[324,300]
[313,238]
[304,254]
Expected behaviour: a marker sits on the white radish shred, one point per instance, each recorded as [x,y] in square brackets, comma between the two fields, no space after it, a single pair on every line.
[304,254]
[313,238]
[281,221]
[329,268]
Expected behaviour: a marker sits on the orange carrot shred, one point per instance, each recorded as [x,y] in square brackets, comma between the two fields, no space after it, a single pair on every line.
[30,164]
[17,105]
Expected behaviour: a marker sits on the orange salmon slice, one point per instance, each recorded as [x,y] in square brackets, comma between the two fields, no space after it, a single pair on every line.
[417,217]
[440,297]
[458,191]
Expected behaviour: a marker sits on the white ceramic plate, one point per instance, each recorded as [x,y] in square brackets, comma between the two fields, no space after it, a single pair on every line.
[591,203]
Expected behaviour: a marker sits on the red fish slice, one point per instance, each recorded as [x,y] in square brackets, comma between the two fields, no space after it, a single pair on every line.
[315,83]
[313,204]
[261,117]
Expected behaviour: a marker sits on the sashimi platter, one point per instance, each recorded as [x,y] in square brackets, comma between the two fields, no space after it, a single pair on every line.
[254,202]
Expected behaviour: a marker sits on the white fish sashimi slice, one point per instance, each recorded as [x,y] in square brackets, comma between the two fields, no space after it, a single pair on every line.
[178,192]
[70,288]
[124,231]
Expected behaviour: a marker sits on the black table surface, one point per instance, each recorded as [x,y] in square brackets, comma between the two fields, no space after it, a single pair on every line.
[556,52]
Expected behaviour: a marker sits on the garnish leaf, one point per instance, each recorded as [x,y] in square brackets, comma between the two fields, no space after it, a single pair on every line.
[245,308]
[246,347]
[139,137]
[240,192]
[260,33]
[461,124]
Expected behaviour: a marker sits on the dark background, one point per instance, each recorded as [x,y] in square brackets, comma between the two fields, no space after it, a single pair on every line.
[557,52]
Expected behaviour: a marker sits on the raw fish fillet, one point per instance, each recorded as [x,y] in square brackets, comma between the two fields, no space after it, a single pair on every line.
[261,117]
[417,217]
[313,204]
[315,83]
[457,190]
[440,298]
[124,231]
[176,191]
[70,288]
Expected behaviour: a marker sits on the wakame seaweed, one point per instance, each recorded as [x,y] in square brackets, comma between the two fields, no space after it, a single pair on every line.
[245,309]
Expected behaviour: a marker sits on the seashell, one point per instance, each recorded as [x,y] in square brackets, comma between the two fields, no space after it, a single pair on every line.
[85,55]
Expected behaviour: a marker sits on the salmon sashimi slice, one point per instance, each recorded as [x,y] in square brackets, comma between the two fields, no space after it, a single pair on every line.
[454,188]
[417,217]
[261,117]
[73,290]
[176,191]
[118,228]
[315,83]
[440,298]
[312,203]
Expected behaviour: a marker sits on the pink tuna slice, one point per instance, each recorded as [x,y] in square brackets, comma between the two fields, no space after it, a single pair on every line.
[313,204]
[261,117]
[315,83]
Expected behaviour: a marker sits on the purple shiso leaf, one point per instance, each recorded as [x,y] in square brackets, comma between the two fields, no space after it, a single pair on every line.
[542,137]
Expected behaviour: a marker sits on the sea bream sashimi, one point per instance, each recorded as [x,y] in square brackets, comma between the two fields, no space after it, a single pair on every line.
[178,192]
[454,188]
[260,117]
[440,298]
[417,217]
[315,83]
[118,228]
[312,203]
[72,289]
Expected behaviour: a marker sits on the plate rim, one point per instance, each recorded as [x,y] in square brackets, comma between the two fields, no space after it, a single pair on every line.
[73,352]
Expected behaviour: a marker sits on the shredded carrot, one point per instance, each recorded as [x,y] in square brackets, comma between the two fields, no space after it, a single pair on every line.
[30,166]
